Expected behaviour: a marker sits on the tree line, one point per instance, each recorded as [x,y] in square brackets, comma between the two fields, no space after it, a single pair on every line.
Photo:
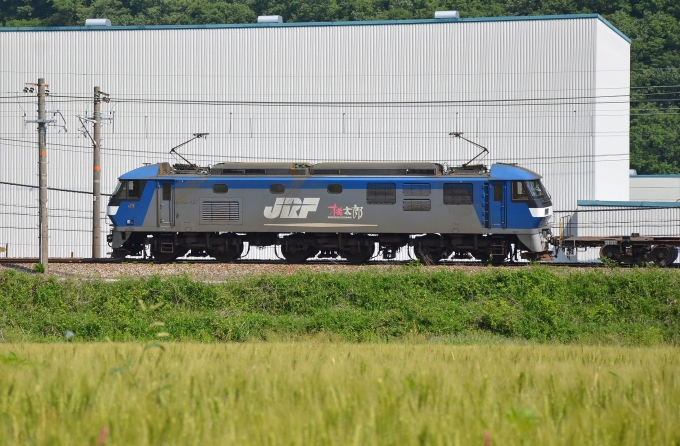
[653,26]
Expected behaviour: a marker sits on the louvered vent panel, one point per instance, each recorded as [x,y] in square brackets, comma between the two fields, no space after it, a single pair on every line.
[381,193]
[417,205]
[221,211]
[458,193]
[417,189]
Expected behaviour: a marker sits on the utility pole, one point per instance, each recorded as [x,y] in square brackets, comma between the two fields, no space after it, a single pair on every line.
[42,166]
[96,176]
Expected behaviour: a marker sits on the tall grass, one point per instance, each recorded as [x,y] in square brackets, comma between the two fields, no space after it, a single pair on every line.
[621,307]
[338,394]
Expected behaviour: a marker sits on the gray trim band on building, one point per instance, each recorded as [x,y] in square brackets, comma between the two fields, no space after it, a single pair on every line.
[317,24]
[629,204]
[660,175]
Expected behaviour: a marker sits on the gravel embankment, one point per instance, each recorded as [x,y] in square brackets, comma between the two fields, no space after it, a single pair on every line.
[209,272]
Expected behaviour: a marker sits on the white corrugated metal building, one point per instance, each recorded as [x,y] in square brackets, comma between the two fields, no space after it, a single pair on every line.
[664,188]
[549,93]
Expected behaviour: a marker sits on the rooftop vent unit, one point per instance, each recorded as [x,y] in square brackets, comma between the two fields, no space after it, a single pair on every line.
[270,19]
[446,15]
[97,22]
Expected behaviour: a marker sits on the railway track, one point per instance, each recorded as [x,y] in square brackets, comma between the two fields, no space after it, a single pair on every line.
[103,261]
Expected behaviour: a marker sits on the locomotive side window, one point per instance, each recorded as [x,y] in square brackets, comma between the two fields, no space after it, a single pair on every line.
[220,188]
[457,193]
[334,188]
[134,192]
[497,192]
[167,192]
[519,192]
[127,190]
[381,193]
[277,188]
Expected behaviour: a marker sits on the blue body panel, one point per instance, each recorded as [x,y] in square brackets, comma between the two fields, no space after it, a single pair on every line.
[489,214]
[142,173]
[510,172]
[133,213]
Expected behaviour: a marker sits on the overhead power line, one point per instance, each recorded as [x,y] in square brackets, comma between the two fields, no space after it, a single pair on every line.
[50,188]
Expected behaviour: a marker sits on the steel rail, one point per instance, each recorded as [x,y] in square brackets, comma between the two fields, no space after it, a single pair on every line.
[104,261]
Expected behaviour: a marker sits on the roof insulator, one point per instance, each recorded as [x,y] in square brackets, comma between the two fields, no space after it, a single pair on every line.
[97,22]
[270,19]
[446,15]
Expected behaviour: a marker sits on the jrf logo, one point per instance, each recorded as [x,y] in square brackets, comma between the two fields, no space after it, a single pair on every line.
[291,208]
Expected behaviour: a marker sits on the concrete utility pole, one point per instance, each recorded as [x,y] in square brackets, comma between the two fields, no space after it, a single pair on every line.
[42,166]
[96,176]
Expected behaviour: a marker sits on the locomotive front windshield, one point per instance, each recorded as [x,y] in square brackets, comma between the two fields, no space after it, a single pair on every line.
[536,189]
[525,190]
[127,190]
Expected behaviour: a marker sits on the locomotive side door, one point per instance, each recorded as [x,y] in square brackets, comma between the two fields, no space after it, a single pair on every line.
[498,205]
[166,204]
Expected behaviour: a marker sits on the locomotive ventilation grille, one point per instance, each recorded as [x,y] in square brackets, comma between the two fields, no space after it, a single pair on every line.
[220,211]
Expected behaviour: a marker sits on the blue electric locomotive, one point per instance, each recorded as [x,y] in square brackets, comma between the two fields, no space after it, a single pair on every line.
[330,210]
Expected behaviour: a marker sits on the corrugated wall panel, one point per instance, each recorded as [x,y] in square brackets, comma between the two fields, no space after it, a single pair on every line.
[380,92]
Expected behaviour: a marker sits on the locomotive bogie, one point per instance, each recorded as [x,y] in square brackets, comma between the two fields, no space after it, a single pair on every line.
[349,210]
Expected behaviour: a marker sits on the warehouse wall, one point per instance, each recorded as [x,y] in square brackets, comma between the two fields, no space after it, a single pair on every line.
[655,188]
[611,117]
[318,92]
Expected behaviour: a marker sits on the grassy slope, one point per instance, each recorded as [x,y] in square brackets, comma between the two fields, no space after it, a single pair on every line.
[338,394]
[633,307]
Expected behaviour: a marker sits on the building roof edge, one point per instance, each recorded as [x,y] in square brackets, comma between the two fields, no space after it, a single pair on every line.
[321,24]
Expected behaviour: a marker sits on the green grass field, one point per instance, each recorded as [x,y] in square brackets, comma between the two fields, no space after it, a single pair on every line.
[632,307]
[556,357]
[319,393]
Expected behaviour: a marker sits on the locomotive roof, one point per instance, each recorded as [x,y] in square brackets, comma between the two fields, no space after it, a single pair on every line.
[503,171]
[144,172]
[498,171]
[264,165]
[328,168]
[236,168]
[359,168]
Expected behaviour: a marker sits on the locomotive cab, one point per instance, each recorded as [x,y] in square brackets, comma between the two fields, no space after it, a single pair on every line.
[128,208]
[532,193]
[520,201]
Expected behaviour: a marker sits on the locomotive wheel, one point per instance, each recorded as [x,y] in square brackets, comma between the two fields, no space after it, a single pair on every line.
[298,256]
[663,255]
[119,253]
[611,252]
[362,254]
[181,252]
[428,249]
[231,253]
[427,256]
[294,250]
